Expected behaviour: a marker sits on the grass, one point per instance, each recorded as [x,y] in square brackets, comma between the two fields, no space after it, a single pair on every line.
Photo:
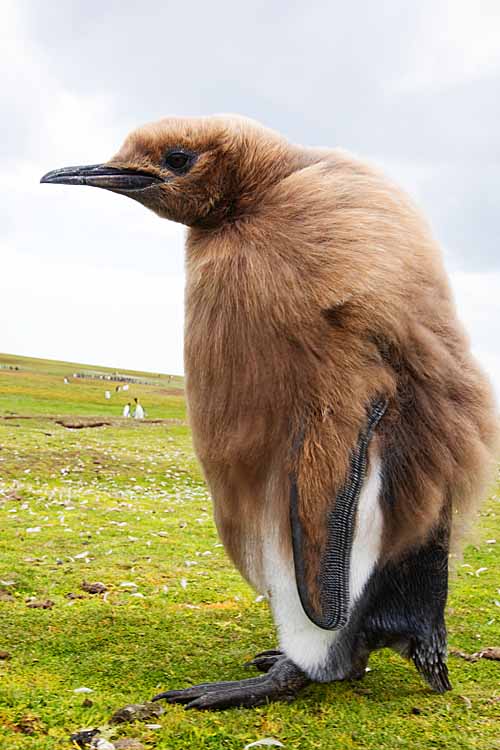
[37,387]
[125,503]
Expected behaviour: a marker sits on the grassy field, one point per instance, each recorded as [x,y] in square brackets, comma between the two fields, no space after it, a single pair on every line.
[124,504]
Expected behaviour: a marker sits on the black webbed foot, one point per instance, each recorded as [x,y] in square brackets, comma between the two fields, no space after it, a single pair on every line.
[265,660]
[282,682]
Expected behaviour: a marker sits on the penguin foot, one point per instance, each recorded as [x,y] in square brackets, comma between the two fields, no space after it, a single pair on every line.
[265,660]
[282,682]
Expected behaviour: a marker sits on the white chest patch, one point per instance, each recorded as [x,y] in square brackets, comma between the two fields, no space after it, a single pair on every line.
[300,639]
[368,533]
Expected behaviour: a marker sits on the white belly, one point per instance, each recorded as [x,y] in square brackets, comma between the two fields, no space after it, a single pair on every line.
[300,639]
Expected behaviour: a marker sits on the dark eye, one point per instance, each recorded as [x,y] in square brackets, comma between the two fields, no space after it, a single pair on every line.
[178,161]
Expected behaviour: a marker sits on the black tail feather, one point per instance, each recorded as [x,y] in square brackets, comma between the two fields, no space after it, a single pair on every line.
[429,658]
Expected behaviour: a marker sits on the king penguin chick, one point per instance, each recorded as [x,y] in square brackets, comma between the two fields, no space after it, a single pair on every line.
[343,427]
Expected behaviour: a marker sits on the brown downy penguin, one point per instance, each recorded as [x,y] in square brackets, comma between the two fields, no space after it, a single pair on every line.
[343,427]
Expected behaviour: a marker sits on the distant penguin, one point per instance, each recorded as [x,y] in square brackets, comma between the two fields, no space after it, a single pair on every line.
[138,410]
[344,429]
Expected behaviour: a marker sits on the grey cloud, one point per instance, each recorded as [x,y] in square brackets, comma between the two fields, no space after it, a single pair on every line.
[92,227]
[323,73]
[463,205]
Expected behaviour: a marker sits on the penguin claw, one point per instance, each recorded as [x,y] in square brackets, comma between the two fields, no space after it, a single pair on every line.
[282,682]
[264,660]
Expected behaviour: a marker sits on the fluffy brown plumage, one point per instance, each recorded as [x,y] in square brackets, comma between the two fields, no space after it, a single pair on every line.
[314,287]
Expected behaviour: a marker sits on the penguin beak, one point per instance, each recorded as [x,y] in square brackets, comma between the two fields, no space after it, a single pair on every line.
[117,179]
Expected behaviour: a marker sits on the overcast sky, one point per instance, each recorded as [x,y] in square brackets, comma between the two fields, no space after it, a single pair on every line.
[90,276]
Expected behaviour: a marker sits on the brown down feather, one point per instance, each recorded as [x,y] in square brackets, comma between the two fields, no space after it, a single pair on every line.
[313,287]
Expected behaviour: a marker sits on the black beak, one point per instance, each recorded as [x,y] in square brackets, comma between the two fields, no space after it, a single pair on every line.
[103,176]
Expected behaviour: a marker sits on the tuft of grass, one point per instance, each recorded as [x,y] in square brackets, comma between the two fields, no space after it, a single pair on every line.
[125,503]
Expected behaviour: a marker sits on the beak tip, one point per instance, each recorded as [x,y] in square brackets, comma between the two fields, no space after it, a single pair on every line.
[65,176]
[102,176]
[51,177]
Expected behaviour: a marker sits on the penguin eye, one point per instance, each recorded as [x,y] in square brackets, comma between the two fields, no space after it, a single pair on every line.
[179,161]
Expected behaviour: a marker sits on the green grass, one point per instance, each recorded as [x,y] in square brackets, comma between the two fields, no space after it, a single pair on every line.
[125,503]
[38,387]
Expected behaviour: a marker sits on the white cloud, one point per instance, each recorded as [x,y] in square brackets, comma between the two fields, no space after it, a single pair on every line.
[477,297]
[92,314]
[457,41]
[412,174]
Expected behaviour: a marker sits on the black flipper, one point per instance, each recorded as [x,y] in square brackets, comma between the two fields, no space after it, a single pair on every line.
[335,561]
[406,609]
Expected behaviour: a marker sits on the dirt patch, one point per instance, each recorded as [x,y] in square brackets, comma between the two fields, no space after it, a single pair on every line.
[492,652]
[16,416]
[171,391]
[161,421]
[137,712]
[42,604]
[29,725]
[82,425]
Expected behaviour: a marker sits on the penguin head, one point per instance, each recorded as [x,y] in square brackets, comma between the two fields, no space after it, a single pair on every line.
[197,171]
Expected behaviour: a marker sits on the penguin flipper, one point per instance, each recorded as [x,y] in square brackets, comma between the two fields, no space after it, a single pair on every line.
[327,606]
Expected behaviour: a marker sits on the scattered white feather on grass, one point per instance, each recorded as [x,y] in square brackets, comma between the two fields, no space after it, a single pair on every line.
[83,690]
[267,741]
[102,744]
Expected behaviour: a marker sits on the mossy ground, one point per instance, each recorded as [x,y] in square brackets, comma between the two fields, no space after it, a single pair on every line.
[126,504]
